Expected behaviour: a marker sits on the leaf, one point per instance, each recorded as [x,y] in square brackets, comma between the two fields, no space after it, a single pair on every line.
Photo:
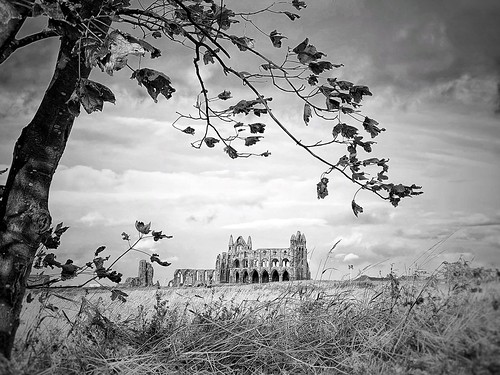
[307,113]
[343,161]
[250,141]
[356,208]
[60,229]
[155,258]
[222,16]
[118,45]
[118,294]
[320,67]
[357,92]
[371,127]
[114,276]
[370,161]
[244,106]
[332,104]
[312,80]
[99,250]
[125,236]
[50,261]
[346,110]
[258,111]
[345,130]
[233,154]
[326,91]
[344,85]
[208,56]
[266,154]
[143,228]
[359,176]
[243,43]
[292,16]
[224,95]
[307,52]
[68,270]
[299,4]
[210,141]
[155,52]
[322,188]
[159,236]
[91,95]
[188,130]
[276,38]
[257,127]
[155,82]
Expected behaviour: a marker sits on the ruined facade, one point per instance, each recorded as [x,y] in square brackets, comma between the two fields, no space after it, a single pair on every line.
[243,264]
[145,275]
[192,277]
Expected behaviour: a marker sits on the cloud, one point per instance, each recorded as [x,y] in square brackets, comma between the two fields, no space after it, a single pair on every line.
[350,257]
[278,223]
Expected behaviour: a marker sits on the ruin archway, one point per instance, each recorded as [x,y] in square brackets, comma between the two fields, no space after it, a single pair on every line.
[275,263]
[237,278]
[236,263]
[255,277]
[286,276]
[245,277]
[275,276]
[286,262]
[265,277]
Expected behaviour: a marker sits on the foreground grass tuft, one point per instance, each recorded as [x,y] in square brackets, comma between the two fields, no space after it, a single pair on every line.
[291,328]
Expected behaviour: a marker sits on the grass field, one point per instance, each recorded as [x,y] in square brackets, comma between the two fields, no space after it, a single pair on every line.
[391,327]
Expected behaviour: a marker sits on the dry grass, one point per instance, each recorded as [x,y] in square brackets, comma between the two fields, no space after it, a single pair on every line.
[285,328]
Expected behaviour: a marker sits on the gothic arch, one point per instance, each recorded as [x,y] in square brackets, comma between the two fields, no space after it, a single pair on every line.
[236,263]
[265,276]
[245,277]
[275,262]
[286,263]
[255,277]
[237,277]
[286,276]
[275,276]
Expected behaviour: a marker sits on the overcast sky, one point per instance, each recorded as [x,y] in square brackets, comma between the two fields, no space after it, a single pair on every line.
[434,69]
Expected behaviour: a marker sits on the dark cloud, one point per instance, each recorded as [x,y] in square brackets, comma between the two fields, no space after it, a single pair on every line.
[410,46]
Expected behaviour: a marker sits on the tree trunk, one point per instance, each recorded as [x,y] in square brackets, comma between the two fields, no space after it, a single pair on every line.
[24,214]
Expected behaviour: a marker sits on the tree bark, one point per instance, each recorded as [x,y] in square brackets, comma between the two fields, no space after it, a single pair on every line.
[11,19]
[24,214]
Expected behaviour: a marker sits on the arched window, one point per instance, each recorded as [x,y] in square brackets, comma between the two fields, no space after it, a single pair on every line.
[245,263]
[286,262]
[275,262]
[255,263]
[265,262]
[236,263]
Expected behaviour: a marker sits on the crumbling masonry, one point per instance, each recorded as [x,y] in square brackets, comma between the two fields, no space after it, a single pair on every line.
[145,277]
[242,264]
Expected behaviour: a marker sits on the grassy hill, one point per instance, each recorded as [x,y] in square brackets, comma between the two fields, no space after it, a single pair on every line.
[290,328]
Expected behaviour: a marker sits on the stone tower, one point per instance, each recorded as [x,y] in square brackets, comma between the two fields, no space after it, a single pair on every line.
[299,254]
[145,273]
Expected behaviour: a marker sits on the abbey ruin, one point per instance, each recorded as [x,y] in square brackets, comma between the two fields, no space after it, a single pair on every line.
[144,277]
[242,264]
